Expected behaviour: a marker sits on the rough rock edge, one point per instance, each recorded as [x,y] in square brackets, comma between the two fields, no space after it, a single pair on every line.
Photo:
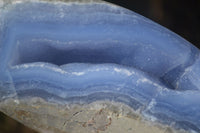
[96,117]
[6,2]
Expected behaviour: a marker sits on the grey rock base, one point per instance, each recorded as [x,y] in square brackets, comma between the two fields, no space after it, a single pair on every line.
[97,117]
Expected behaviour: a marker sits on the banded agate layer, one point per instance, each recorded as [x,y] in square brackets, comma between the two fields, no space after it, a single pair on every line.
[84,52]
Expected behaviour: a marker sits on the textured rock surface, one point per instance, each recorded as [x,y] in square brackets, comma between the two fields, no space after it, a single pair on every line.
[79,53]
[97,117]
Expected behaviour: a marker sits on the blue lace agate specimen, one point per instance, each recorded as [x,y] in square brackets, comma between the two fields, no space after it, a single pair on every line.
[86,52]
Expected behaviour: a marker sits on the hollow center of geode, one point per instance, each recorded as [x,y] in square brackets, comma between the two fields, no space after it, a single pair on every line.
[41,51]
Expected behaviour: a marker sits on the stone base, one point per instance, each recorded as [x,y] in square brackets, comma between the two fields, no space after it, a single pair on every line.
[97,117]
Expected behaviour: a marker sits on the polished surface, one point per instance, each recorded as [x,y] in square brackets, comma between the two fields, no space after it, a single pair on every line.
[86,52]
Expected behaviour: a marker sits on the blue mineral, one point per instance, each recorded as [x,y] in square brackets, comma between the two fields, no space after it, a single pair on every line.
[83,52]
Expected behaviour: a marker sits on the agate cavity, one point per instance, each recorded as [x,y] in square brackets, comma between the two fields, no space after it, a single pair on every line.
[80,53]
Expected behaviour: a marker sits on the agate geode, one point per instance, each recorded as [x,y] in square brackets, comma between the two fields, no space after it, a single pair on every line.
[90,66]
